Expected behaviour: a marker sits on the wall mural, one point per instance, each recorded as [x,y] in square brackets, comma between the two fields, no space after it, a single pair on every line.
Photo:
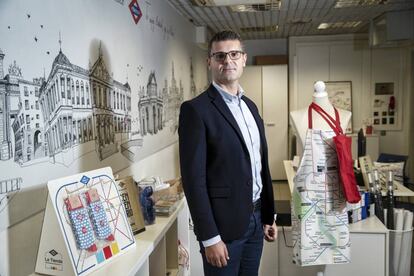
[99,84]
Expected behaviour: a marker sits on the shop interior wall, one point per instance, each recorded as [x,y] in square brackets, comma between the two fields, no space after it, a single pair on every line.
[24,213]
[264,47]
[349,58]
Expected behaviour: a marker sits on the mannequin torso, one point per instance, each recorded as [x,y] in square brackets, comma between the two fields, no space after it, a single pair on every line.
[299,118]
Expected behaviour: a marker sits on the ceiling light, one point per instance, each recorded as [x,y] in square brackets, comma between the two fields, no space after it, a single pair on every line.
[238,2]
[240,5]
[357,3]
[273,5]
[323,26]
[339,25]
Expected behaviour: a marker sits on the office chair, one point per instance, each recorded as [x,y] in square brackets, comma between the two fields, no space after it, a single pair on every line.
[394,158]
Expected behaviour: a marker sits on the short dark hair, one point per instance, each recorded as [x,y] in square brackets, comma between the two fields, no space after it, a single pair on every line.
[223,36]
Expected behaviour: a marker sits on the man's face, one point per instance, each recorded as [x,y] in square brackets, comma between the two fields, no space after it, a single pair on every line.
[228,70]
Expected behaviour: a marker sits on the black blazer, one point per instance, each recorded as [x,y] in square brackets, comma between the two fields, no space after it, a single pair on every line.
[215,168]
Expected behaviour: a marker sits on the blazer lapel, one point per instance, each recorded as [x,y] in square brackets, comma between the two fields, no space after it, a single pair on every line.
[222,107]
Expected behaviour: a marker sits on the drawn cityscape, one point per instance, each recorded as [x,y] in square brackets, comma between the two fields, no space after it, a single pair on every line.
[73,106]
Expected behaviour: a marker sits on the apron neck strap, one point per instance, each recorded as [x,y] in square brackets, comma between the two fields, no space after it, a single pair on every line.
[333,123]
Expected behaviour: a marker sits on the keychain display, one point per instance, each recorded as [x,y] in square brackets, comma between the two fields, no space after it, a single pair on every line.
[98,216]
[81,224]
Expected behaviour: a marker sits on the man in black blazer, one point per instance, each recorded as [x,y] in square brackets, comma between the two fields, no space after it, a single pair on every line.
[224,166]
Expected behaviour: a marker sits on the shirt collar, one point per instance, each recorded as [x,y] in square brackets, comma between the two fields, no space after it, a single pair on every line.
[227,97]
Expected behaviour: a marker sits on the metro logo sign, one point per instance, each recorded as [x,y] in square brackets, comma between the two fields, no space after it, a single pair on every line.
[135,11]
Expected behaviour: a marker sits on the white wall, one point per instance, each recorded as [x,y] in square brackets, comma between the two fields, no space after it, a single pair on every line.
[348,58]
[262,47]
[19,242]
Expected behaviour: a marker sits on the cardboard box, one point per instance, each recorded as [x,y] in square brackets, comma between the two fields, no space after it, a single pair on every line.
[130,197]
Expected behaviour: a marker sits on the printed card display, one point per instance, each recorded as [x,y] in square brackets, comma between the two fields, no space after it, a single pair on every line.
[85,224]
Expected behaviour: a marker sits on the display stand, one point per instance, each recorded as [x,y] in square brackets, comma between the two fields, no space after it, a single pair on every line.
[85,225]
[155,253]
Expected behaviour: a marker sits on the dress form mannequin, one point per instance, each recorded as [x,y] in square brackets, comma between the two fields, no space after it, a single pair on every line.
[299,118]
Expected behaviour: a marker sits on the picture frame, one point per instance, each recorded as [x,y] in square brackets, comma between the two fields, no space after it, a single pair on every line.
[340,95]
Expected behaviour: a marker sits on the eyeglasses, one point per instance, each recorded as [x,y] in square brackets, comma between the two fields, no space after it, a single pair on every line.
[221,56]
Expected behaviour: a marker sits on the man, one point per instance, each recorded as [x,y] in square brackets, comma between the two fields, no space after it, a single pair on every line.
[224,166]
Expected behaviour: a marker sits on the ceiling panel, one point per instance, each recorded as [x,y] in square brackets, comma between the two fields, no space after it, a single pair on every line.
[292,19]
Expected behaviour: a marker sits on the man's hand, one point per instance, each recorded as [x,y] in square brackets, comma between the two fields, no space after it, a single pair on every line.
[217,254]
[270,232]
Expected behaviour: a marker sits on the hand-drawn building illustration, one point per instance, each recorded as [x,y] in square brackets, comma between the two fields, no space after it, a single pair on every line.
[150,107]
[20,111]
[9,98]
[28,126]
[173,97]
[82,105]
[111,108]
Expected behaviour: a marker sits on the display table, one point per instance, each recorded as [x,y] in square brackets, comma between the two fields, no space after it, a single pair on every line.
[155,252]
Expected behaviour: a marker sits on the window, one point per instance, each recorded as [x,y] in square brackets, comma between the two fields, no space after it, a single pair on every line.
[77,93]
[79,131]
[83,93]
[26,104]
[37,116]
[85,131]
[28,119]
[73,92]
[68,88]
[37,105]
[74,132]
[94,93]
[29,140]
[26,91]
[65,126]
[37,125]
[69,128]
[90,128]
[104,102]
[87,95]
[62,86]
[36,91]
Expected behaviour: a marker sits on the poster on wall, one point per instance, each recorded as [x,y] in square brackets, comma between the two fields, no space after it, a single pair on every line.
[85,224]
[97,85]
[340,95]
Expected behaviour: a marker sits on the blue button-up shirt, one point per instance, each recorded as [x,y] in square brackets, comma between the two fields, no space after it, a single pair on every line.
[251,136]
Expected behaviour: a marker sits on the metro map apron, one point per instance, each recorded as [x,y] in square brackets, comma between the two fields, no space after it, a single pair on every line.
[320,230]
